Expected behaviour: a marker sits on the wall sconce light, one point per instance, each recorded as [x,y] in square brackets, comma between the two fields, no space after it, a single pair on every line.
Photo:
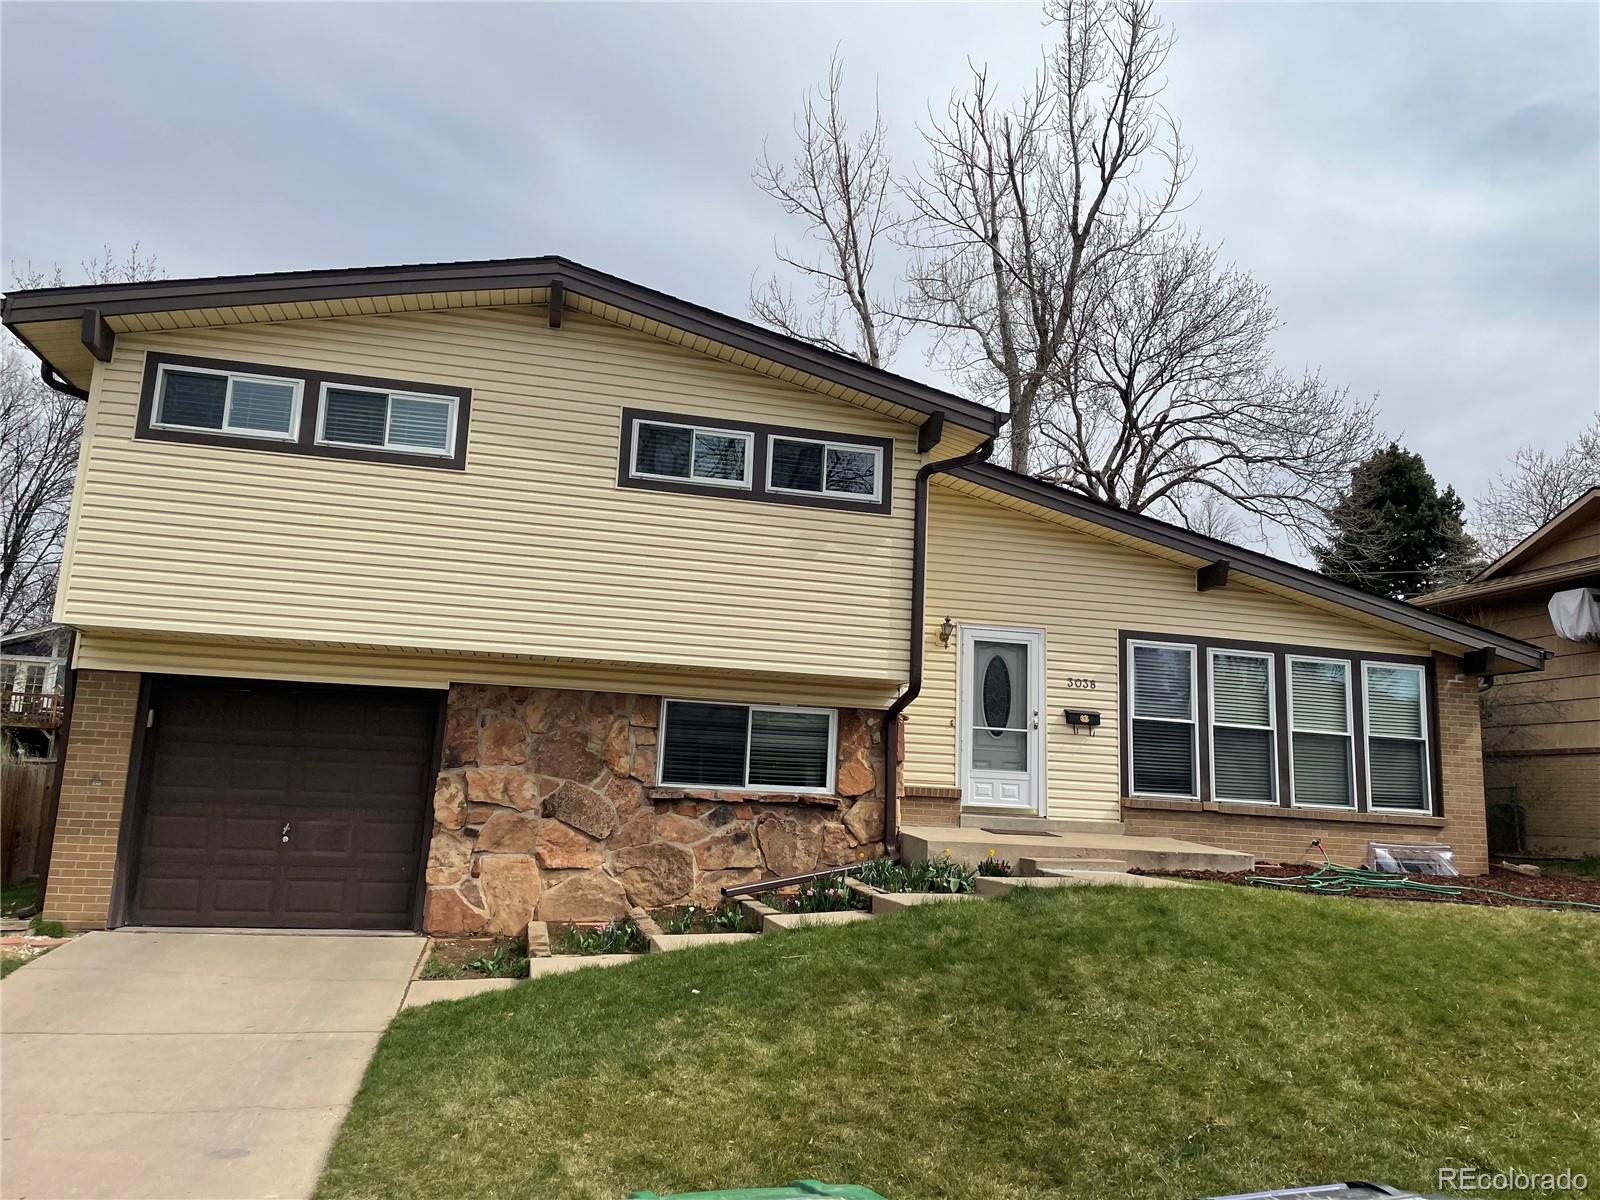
[946,628]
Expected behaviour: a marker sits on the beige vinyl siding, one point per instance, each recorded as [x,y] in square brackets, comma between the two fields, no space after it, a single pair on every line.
[114,650]
[532,551]
[992,564]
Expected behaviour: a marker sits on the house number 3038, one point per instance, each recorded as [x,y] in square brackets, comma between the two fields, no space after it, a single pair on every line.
[1079,684]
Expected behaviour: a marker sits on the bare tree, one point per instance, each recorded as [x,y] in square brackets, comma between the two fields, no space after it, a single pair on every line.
[1534,488]
[40,432]
[1172,403]
[1019,206]
[839,185]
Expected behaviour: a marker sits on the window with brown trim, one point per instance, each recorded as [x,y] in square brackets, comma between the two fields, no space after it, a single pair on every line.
[1298,727]
[290,410]
[746,460]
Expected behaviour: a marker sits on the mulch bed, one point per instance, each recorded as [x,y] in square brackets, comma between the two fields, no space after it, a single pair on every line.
[1536,890]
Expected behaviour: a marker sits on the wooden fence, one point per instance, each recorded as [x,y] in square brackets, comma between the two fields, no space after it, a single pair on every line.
[24,787]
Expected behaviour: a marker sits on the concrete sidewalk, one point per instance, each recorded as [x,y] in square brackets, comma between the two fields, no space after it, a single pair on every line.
[197,1065]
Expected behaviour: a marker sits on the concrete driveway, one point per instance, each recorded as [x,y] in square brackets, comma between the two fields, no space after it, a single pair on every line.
[205,1065]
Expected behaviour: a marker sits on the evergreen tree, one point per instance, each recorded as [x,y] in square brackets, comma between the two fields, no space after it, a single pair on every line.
[1394,532]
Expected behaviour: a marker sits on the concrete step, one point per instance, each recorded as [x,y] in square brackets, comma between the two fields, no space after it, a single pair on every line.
[971,846]
[1049,866]
[1013,824]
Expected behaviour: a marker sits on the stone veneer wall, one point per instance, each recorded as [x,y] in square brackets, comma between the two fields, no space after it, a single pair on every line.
[546,808]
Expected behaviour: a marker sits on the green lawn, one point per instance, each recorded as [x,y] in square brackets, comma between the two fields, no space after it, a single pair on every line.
[1088,1044]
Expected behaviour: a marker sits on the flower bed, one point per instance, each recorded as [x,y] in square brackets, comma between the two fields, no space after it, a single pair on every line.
[1498,889]
[727,917]
[475,958]
[619,936]
[944,875]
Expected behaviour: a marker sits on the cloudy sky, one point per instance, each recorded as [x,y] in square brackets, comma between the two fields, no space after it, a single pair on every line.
[1419,184]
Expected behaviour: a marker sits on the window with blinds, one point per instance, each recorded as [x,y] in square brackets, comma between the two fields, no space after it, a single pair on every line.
[1397,738]
[370,418]
[747,747]
[1321,745]
[196,398]
[1244,757]
[1162,719]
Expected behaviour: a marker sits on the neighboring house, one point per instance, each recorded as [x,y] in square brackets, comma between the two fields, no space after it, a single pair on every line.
[33,674]
[562,593]
[1541,733]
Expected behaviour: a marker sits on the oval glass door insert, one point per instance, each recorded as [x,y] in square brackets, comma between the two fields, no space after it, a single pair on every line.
[997,695]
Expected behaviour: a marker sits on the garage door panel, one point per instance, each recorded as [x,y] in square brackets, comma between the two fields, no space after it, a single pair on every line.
[349,770]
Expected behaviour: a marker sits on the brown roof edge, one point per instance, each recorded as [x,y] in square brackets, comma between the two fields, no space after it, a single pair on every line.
[163,295]
[1254,563]
[1538,535]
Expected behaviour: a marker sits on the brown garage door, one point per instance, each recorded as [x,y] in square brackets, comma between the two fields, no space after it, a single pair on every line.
[282,805]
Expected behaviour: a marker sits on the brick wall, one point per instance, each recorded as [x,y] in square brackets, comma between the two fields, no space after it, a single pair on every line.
[93,782]
[930,806]
[1288,838]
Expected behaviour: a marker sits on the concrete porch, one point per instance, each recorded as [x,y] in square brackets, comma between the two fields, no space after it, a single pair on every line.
[1046,843]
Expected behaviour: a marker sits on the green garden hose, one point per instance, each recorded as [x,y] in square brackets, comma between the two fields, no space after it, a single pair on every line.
[1334,880]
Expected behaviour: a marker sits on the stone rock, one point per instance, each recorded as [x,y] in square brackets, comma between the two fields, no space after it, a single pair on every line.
[511,890]
[449,802]
[636,829]
[509,787]
[449,856]
[460,734]
[720,815]
[626,794]
[646,711]
[644,737]
[563,848]
[865,820]
[655,874]
[856,776]
[854,733]
[671,827]
[565,755]
[735,846]
[838,847]
[591,896]
[505,742]
[617,748]
[510,833]
[444,911]
[582,808]
[787,846]
[707,890]
[555,708]
[477,814]
[644,764]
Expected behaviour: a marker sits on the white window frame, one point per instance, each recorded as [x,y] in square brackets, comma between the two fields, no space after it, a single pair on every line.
[1271,728]
[389,395]
[1349,735]
[159,407]
[750,708]
[745,435]
[1193,722]
[827,444]
[1427,749]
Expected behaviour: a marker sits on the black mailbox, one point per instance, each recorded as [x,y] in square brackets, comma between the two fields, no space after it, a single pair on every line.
[1083,718]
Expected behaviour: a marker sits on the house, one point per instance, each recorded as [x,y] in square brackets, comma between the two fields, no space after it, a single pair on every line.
[1541,733]
[33,673]
[451,595]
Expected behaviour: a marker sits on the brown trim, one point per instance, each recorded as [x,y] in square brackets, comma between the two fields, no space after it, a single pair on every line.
[1224,808]
[556,303]
[1212,575]
[169,295]
[761,436]
[98,337]
[425,826]
[305,442]
[1281,653]
[133,793]
[1544,752]
[1249,562]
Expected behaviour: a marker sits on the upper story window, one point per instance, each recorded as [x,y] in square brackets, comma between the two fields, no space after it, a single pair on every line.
[674,452]
[245,405]
[371,417]
[720,457]
[298,411]
[825,468]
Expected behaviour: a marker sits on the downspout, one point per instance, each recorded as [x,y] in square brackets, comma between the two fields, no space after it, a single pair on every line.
[48,374]
[919,588]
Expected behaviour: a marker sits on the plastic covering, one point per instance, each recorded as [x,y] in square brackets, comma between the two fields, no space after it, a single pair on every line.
[1402,858]
[1576,614]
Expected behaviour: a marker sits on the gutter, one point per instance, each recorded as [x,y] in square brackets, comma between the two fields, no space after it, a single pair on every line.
[919,588]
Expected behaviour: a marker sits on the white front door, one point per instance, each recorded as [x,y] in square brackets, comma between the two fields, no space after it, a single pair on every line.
[1001,721]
